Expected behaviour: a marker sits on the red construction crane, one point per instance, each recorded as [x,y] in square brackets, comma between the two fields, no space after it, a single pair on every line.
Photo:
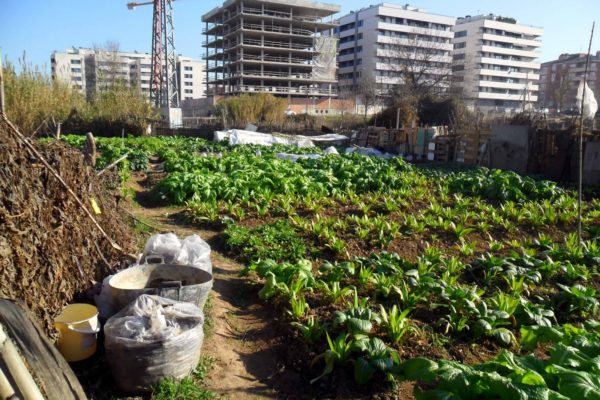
[163,87]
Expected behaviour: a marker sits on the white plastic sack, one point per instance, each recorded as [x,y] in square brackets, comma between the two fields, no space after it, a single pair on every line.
[220,135]
[296,157]
[192,250]
[195,252]
[153,338]
[590,105]
[330,150]
[368,151]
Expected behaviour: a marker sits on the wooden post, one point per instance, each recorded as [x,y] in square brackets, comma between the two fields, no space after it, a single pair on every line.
[90,150]
[17,368]
[2,110]
[580,180]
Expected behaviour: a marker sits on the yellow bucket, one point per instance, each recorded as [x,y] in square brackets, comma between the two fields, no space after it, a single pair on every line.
[78,326]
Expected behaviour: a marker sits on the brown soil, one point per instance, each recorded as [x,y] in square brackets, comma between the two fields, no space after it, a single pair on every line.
[50,252]
[256,354]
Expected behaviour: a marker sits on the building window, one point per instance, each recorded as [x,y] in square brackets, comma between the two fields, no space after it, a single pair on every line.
[460,45]
[187,83]
[77,78]
[188,76]
[458,57]
[460,34]
[188,91]
[75,61]
[75,69]
[187,68]
[188,98]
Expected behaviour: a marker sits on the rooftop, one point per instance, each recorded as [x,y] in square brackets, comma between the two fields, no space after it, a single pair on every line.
[492,17]
[406,7]
[322,9]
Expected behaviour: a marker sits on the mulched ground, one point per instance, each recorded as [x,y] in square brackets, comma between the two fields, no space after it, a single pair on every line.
[50,252]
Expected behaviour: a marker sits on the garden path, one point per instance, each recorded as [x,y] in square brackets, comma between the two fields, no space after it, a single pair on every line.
[241,335]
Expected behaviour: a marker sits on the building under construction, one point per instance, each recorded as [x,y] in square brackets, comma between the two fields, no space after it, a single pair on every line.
[268,46]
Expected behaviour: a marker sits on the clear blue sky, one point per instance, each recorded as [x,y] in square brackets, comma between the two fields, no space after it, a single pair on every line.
[40,26]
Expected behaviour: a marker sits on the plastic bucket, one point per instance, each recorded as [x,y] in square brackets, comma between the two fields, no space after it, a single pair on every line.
[78,326]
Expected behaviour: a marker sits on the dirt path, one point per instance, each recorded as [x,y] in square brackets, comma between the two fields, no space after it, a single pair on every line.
[243,338]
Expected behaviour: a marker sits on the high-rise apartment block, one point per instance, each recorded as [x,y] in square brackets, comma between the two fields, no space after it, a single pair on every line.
[494,63]
[270,46]
[91,70]
[389,42]
[560,79]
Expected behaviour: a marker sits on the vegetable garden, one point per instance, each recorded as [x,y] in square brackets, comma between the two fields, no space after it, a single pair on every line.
[470,282]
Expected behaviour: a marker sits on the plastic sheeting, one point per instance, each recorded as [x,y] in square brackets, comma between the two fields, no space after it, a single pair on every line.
[325,62]
[153,338]
[590,105]
[239,136]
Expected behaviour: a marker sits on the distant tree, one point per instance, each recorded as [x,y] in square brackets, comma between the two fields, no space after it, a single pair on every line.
[367,91]
[104,69]
[559,87]
[419,66]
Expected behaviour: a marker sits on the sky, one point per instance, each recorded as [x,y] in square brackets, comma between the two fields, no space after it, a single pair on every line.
[38,27]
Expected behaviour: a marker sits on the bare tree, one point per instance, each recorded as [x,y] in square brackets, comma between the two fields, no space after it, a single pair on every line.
[558,87]
[107,71]
[418,65]
[346,102]
[367,91]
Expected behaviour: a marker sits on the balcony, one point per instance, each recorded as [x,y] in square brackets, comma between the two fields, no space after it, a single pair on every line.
[507,85]
[507,51]
[226,30]
[510,74]
[509,39]
[276,90]
[502,96]
[273,75]
[509,63]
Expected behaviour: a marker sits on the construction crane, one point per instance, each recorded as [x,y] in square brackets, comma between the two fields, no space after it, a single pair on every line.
[164,91]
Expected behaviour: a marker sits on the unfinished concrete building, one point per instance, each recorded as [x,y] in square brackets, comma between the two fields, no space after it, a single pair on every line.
[268,46]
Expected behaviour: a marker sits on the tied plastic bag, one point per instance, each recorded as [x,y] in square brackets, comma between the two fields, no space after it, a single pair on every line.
[192,250]
[590,105]
[153,338]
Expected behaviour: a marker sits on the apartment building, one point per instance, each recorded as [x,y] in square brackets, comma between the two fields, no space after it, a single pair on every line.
[494,62]
[271,46]
[389,41]
[560,79]
[90,70]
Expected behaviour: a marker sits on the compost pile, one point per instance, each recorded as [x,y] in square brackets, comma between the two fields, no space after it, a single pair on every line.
[50,251]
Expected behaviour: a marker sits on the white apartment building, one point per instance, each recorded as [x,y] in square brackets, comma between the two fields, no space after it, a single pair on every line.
[379,39]
[494,63]
[90,70]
